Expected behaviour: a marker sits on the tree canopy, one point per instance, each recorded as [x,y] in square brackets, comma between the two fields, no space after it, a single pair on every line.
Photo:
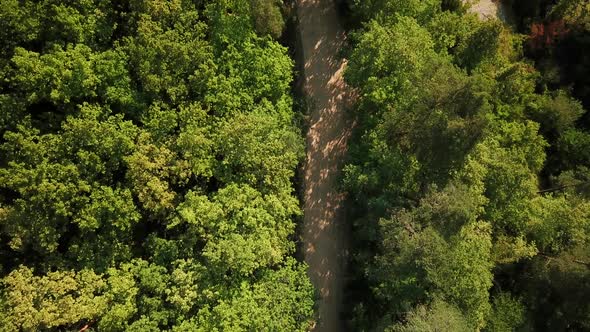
[468,175]
[147,152]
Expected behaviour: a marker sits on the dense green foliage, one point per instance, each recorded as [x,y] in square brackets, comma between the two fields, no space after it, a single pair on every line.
[559,43]
[146,156]
[468,174]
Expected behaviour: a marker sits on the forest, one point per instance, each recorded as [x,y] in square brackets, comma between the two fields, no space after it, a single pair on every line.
[469,170]
[147,153]
[150,157]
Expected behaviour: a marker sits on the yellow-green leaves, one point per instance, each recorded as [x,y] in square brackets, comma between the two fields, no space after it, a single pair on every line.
[242,230]
[62,298]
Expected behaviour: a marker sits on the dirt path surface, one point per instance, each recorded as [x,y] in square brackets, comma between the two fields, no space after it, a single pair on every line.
[324,232]
[486,9]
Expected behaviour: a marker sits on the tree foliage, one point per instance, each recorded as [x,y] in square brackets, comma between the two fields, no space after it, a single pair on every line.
[466,173]
[147,152]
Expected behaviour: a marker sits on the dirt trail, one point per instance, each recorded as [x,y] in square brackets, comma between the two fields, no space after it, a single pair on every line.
[486,9]
[324,232]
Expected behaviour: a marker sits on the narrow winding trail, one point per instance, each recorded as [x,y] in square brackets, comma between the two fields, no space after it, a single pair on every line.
[324,231]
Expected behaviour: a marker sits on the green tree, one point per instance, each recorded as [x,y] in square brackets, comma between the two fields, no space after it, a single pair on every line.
[257,150]
[170,60]
[280,301]
[438,316]
[268,18]
[67,299]
[72,74]
[242,229]
[383,10]
[508,314]
[418,262]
